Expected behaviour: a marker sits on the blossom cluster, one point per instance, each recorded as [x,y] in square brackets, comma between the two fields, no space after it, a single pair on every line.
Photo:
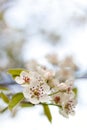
[42,85]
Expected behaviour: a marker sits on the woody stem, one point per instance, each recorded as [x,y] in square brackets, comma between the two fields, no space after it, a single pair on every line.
[13,82]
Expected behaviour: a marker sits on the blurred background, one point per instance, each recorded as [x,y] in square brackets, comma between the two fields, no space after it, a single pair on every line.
[30,29]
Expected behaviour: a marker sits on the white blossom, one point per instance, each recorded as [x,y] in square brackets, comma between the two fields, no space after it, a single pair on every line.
[68,62]
[64,97]
[23,79]
[45,73]
[68,107]
[64,86]
[53,58]
[64,74]
[42,86]
[36,93]
[36,90]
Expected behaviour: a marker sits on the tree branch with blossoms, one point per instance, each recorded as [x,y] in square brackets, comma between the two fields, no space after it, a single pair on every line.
[43,86]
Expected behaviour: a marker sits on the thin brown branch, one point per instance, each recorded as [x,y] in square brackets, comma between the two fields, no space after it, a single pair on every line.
[81,77]
[13,82]
[7,83]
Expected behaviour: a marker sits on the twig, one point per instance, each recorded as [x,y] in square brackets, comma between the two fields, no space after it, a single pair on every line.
[82,77]
[13,82]
[25,102]
[7,83]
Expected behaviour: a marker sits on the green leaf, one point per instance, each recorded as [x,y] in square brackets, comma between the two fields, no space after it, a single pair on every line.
[15,72]
[3,110]
[75,90]
[47,112]
[2,88]
[16,99]
[26,104]
[4,97]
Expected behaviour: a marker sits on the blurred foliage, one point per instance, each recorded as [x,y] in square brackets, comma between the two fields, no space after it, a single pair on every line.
[11,41]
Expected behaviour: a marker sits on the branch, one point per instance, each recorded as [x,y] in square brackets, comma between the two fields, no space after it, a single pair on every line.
[82,77]
[7,83]
[13,82]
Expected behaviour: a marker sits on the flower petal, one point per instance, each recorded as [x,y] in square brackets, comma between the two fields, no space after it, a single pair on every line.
[24,74]
[44,98]
[34,100]
[19,80]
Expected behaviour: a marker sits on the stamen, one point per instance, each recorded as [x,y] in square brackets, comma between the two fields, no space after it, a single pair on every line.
[57,99]
[26,79]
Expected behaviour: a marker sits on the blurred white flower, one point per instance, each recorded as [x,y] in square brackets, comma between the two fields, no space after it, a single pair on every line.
[23,79]
[53,59]
[65,74]
[45,73]
[64,97]
[31,65]
[69,105]
[68,62]
[66,86]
